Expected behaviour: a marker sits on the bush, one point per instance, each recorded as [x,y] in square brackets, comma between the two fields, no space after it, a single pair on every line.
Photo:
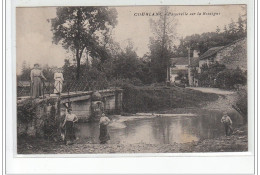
[155,98]
[228,78]
[241,102]
[26,112]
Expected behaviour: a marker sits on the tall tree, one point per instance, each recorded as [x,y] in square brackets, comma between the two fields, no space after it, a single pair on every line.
[81,28]
[241,30]
[161,43]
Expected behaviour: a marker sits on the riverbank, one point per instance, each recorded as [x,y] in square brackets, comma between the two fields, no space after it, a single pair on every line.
[237,142]
[234,143]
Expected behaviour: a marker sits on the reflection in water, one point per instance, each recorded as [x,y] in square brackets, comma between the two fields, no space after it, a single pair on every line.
[159,130]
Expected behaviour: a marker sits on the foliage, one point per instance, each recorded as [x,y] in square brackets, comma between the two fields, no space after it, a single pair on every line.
[25,74]
[27,111]
[241,102]
[125,67]
[218,75]
[228,78]
[203,42]
[161,44]
[209,73]
[81,29]
[151,98]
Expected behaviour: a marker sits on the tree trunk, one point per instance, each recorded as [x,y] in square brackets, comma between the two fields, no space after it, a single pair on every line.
[78,67]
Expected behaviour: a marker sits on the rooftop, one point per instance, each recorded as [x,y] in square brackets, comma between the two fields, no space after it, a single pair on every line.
[210,52]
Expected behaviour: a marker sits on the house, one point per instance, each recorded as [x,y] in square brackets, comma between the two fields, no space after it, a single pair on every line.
[232,55]
[183,65]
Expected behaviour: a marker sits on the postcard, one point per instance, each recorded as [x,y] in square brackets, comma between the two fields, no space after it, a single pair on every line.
[132,80]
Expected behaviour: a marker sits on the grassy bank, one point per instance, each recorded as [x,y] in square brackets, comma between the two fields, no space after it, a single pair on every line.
[144,99]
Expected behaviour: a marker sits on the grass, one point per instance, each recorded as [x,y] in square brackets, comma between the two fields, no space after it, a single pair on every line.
[149,98]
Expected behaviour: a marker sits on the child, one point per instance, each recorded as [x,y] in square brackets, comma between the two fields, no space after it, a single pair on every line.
[227,124]
[104,135]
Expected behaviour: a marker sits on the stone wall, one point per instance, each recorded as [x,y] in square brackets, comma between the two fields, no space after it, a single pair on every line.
[43,117]
[112,100]
[234,55]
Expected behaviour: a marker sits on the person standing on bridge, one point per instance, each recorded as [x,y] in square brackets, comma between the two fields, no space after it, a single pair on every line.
[227,124]
[37,81]
[104,134]
[69,121]
[58,77]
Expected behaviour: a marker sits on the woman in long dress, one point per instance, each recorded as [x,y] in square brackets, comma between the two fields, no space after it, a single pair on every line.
[58,77]
[36,81]
[69,121]
[104,134]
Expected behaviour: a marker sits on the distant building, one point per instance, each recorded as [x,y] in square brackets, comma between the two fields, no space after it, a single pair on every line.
[183,65]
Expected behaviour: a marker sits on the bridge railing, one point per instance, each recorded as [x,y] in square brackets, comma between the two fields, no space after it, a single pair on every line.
[49,87]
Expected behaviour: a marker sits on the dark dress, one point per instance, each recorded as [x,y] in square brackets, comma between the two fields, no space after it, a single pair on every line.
[70,133]
[104,135]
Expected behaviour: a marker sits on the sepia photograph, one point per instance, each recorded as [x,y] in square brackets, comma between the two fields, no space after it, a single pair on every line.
[131,79]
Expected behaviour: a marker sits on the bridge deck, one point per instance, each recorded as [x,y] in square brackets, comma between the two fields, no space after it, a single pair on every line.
[74,96]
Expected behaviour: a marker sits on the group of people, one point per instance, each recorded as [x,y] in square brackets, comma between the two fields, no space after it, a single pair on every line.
[37,80]
[69,128]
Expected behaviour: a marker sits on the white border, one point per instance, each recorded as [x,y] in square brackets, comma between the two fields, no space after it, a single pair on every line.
[217,163]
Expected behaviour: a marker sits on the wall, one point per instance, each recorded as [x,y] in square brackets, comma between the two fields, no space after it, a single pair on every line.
[43,117]
[234,55]
[112,100]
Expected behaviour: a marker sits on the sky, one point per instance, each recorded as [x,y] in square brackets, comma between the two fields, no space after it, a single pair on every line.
[34,38]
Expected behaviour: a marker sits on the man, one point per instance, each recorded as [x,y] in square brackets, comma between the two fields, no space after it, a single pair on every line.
[227,124]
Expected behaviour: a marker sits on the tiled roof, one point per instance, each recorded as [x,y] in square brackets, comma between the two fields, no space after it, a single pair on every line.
[185,61]
[214,50]
[210,52]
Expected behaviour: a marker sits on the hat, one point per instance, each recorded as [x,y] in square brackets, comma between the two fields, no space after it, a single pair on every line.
[69,109]
[36,64]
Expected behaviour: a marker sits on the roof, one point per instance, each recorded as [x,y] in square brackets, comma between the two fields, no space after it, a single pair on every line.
[185,61]
[214,50]
[210,52]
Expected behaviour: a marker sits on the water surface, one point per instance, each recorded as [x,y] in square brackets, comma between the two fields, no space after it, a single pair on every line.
[158,130]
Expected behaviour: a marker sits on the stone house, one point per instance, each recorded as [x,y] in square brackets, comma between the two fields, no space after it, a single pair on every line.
[232,55]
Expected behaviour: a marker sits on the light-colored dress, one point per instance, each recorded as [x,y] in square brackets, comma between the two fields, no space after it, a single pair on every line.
[58,77]
[36,86]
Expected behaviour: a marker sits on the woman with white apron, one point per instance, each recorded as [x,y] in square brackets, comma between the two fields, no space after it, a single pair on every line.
[58,77]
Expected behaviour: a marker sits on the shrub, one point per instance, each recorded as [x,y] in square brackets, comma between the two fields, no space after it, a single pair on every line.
[27,111]
[241,102]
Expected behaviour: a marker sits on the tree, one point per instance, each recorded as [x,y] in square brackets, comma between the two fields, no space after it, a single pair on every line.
[241,30]
[218,29]
[80,29]
[161,43]
[26,71]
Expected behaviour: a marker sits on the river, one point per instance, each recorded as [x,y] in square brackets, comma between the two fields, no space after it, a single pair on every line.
[158,129]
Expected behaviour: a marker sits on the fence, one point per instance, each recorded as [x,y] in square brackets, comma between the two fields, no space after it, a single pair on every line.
[49,87]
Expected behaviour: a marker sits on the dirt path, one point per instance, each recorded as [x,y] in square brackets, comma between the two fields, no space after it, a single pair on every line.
[225,101]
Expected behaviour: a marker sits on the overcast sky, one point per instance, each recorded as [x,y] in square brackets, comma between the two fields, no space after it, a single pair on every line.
[34,38]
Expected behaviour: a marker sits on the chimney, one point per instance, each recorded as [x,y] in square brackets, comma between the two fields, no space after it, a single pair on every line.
[195,54]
